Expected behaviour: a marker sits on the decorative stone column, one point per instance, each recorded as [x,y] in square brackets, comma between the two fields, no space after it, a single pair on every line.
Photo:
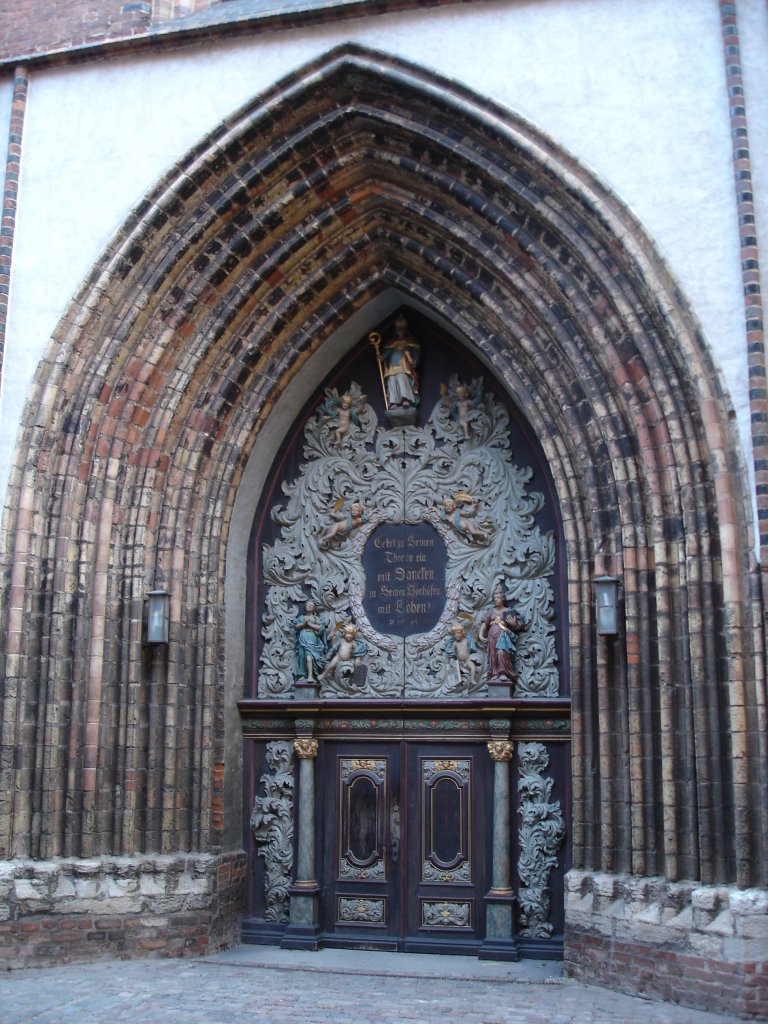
[499,943]
[303,922]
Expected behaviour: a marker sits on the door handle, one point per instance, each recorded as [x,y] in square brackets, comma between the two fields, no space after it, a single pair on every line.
[394,831]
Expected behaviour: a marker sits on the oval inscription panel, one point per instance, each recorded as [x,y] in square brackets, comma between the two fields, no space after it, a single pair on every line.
[404,578]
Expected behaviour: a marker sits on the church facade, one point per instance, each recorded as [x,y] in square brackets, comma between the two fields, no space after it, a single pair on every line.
[384,466]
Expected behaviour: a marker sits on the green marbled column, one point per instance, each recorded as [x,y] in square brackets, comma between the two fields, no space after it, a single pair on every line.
[499,943]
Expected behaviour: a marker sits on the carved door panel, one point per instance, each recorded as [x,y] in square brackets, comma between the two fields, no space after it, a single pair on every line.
[361,844]
[450,818]
[404,848]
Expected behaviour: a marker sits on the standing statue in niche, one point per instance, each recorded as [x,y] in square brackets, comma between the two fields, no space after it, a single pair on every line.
[311,643]
[345,658]
[499,630]
[398,365]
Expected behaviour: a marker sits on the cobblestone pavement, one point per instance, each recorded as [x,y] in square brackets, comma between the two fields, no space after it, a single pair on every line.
[267,986]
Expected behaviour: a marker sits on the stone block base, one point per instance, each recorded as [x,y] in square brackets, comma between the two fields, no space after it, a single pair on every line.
[67,910]
[701,946]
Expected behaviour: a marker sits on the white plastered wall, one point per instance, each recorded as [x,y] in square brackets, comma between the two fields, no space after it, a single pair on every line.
[635,91]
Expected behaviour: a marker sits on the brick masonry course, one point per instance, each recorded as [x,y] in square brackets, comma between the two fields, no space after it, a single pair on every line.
[72,909]
[704,946]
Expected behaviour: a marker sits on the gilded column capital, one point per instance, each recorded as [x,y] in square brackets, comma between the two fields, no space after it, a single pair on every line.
[501,750]
[305,748]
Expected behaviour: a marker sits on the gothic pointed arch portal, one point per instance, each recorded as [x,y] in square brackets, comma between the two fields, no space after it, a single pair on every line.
[253,267]
[406,613]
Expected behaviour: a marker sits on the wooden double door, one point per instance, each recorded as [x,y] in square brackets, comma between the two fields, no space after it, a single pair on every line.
[405,845]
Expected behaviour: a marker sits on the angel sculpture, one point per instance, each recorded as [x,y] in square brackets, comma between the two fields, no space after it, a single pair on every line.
[345,519]
[342,413]
[462,401]
[345,657]
[460,511]
[461,646]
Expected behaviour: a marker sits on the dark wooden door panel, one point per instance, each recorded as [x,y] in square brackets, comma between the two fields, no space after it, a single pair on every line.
[448,868]
[359,873]
[403,862]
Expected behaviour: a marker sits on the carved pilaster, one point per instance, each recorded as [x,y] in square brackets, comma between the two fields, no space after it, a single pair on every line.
[542,831]
[303,923]
[499,943]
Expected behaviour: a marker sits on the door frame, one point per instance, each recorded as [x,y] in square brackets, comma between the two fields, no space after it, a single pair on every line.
[463,724]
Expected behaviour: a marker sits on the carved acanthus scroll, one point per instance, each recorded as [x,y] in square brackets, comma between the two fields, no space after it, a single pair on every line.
[542,831]
[452,485]
[272,826]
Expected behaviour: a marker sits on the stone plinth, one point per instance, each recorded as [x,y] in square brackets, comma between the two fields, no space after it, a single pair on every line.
[702,946]
[69,909]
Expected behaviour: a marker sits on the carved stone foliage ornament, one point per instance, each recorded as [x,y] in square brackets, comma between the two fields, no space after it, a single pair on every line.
[356,910]
[446,915]
[542,831]
[272,826]
[398,537]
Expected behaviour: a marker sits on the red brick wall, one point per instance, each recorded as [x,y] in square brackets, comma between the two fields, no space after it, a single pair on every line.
[36,26]
[42,931]
[703,982]
[45,26]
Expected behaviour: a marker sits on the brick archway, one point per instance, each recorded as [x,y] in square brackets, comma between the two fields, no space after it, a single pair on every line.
[357,176]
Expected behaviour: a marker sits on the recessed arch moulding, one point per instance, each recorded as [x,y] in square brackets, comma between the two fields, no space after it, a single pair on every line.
[358,184]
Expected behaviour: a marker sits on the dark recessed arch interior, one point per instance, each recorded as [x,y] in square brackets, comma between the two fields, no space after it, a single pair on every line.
[443,355]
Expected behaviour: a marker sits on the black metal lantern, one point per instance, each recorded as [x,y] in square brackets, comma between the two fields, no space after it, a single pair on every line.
[607,605]
[158,615]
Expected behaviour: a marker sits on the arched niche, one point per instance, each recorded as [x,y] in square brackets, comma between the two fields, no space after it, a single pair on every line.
[443,360]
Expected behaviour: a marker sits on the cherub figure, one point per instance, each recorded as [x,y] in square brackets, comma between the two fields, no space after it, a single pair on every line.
[461,646]
[345,521]
[343,412]
[462,401]
[345,653]
[460,511]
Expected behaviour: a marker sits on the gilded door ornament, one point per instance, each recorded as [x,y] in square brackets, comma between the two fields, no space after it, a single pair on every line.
[305,748]
[272,827]
[402,534]
[356,910]
[431,873]
[376,766]
[501,750]
[460,767]
[445,914]
[541,834]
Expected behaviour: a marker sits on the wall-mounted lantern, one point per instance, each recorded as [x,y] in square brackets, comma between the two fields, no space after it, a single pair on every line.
[607,604]
[158,615]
